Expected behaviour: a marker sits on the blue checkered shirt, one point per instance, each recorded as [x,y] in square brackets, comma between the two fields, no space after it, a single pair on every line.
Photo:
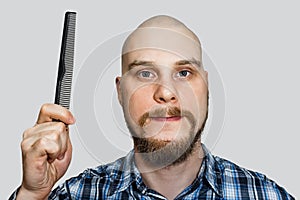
[217,179]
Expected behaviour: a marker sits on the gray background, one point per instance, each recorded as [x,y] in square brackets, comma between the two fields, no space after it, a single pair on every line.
[254,44]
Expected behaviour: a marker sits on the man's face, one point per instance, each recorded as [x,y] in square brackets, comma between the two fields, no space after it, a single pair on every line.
[164,94]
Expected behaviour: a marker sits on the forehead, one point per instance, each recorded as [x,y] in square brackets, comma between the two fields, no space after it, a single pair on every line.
[161,43]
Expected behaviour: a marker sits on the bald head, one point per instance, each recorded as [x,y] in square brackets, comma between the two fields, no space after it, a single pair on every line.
[161,21]
[167,22]
[164,33]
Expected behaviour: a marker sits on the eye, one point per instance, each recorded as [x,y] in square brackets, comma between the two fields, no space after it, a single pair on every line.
[146,74]
[183,74]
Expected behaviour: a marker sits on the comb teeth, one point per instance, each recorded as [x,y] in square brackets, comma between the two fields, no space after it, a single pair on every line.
[64,79]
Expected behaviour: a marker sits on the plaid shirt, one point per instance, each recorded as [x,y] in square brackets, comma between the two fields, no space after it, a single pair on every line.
[217,179]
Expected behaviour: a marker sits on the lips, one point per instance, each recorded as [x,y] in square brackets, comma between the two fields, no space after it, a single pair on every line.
[167,114]
[163,119]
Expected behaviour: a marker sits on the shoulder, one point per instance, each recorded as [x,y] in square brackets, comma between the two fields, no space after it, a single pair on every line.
[248,181]
[102,174]
[91,182]
[105,171]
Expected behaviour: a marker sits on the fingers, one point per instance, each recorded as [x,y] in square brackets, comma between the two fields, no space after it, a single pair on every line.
[50,112]
[47,126]
[49,139]
[45,147]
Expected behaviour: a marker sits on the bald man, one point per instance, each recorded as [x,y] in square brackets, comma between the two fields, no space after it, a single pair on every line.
[163,92]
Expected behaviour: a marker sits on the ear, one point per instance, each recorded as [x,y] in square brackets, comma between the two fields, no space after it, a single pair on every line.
[118,83]
[204,76]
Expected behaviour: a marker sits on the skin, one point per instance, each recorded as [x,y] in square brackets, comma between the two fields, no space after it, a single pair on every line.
[162,80]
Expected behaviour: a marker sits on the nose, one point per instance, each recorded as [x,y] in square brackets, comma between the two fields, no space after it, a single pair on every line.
[164,94]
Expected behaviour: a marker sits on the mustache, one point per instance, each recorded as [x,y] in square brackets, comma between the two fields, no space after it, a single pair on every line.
[161,112]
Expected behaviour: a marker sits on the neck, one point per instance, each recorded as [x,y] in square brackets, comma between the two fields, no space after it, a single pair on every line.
[166,180]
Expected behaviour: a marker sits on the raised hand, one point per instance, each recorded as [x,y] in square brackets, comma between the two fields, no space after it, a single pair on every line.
[46,152]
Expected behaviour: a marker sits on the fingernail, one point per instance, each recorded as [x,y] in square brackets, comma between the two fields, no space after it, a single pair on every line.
[72,120]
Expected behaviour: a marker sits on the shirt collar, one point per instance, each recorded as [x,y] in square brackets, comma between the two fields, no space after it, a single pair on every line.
[127,173]
[212,171]
[124,174]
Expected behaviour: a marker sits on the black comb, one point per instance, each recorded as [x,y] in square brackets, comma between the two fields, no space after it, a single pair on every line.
[66,60]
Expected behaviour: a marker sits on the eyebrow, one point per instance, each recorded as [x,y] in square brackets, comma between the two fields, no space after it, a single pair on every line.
[139,63]
[192,61]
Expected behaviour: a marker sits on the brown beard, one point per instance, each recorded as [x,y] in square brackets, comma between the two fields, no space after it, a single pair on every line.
[161,153]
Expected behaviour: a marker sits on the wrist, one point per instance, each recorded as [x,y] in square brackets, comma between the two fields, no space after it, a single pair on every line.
[23,194]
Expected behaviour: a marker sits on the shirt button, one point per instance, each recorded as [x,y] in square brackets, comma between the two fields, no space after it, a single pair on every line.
[144,191]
